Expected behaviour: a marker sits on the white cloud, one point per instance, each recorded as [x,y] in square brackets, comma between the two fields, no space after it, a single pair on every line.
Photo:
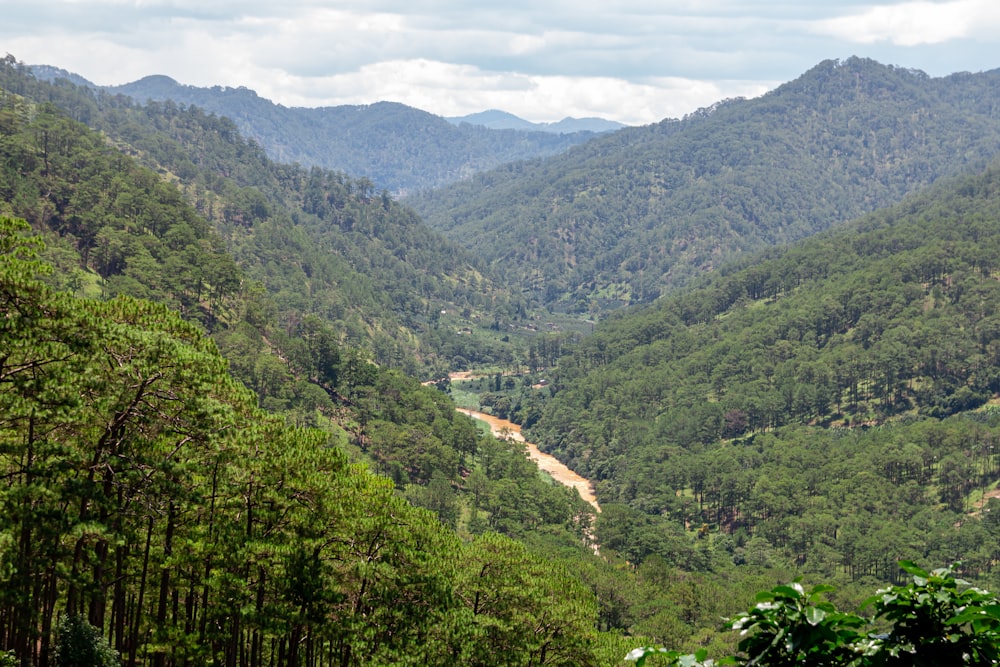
[914,23]
[454,90]
[636,60]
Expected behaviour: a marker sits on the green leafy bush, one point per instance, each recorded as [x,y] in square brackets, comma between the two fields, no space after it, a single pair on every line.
[79,644]
[936,619]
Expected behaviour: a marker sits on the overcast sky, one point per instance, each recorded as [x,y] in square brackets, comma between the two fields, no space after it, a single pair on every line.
[637,61]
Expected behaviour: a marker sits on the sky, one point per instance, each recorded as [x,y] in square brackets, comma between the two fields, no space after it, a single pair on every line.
[635,61]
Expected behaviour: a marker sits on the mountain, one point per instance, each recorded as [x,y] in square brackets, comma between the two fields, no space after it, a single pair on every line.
[502,120]
[50,73]
[494,119]
[631,215]
[319,243]
[399,148]
[121,427]
[833,403]
[267,531]
[821,410]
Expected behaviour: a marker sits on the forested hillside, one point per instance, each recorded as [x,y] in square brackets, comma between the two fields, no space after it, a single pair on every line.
[115,228]
[147,500]
[146,494]
[821,410]
[632,215]
[320,243]
[398,148]
[829,408]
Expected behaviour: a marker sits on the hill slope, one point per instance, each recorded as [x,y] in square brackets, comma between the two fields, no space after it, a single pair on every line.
[629,216]
[725,405]
[398,147]
[119,427]
[321,243]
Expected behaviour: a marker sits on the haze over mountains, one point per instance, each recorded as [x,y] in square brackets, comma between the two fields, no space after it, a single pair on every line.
[501,120]
[397,147]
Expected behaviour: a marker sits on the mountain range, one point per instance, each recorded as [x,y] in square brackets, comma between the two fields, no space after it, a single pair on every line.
[792,373]
[501,120]
[399,148]
[631,215]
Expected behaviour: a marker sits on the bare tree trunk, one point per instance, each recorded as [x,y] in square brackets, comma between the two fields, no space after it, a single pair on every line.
[159,658]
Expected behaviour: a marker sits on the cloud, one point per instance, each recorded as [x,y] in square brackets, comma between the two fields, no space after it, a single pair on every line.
[635,60]
[915,23]
[454,90]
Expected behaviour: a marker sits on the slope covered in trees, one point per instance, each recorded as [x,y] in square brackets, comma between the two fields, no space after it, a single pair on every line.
[144,492]
[726,406]
[109,217]
[116,228]
[631,215]
[320,243]
[706,421]
[399,148]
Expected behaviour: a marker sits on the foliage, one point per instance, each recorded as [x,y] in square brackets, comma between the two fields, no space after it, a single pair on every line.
[116,219]
[630,216]
[145,495]
[399,148]
[823,410]
[79,644]
[935,619]
[319,243]
[726,405]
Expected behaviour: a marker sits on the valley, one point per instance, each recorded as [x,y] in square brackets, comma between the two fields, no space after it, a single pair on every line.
[758,345]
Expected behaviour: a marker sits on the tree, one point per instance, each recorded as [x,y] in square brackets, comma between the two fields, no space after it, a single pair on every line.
[79,644]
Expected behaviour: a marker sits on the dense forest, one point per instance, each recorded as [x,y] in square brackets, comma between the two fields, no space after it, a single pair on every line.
[144,492]
[399,148]
[629,216]
[213,447]
[320,243]
[831,407]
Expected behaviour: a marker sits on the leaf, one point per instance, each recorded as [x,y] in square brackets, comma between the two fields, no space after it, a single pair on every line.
[793,591]
[971,614]
[814,615]
[912,568]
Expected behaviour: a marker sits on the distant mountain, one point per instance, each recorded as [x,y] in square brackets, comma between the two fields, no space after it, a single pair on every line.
[631,215]
[50,73]
[502,120]
[495,120]
[399,148]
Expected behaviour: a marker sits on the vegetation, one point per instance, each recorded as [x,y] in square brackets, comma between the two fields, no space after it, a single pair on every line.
[936,619]
[319,243]
[224,475]
[725,407]
[399,148]
[632,215]
[145,492]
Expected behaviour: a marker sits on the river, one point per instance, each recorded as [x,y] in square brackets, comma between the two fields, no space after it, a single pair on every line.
[546,462]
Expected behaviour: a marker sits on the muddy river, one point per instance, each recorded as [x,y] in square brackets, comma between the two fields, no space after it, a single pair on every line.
[546,462]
